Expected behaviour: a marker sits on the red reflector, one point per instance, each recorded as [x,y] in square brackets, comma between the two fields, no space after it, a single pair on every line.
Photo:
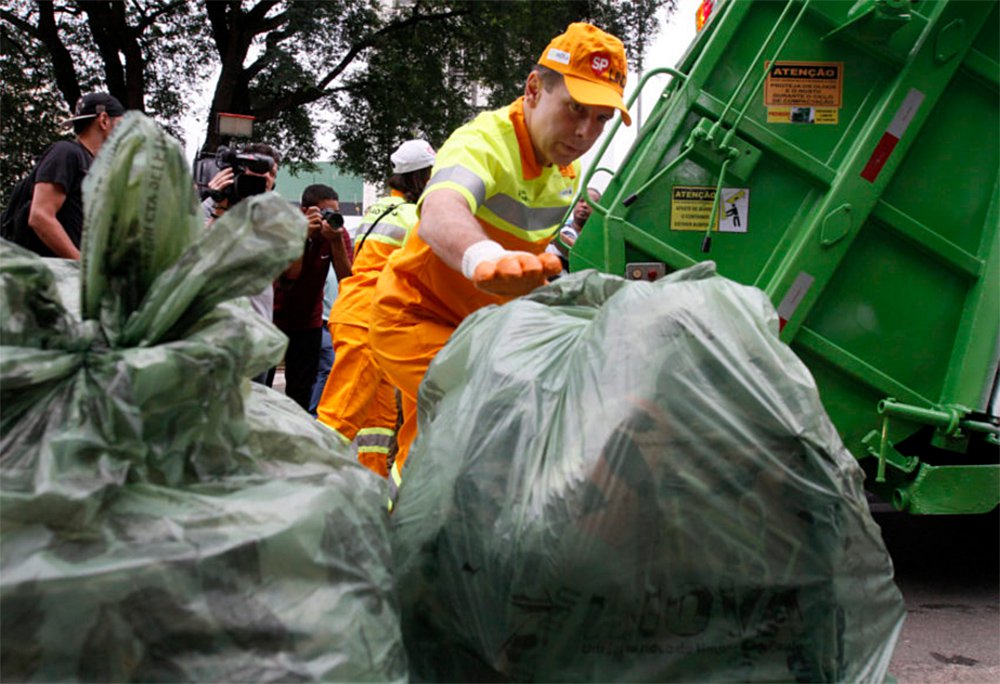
[704,12]
[879,157]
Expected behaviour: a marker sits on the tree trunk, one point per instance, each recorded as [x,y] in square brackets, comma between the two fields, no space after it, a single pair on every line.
[232,38]
[115,38]
[62,61]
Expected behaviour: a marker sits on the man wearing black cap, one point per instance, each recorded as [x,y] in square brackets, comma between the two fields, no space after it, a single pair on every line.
[56,212]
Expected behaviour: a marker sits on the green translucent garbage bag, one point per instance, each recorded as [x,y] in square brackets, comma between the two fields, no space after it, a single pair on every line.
[627,481]
[162,518]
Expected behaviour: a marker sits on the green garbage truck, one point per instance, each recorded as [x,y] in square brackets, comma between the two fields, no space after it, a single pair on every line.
[843,157]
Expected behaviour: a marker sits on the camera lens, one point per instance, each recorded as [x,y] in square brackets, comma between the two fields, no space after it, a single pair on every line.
[245,185]
[225,157]
[333,218]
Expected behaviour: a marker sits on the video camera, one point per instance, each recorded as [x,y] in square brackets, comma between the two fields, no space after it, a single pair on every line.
[244,184]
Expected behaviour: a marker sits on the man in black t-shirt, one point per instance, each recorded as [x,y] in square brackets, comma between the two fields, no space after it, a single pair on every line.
[56,213]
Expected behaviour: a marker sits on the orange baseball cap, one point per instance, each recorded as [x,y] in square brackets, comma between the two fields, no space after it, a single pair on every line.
[593,64]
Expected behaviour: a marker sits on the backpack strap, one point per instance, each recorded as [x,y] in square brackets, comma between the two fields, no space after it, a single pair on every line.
[368,232]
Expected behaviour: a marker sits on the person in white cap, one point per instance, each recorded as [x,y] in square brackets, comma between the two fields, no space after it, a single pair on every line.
[358,403]
[55,215]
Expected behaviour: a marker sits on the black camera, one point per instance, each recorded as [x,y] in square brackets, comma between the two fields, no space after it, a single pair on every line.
[244,184]
[334,218]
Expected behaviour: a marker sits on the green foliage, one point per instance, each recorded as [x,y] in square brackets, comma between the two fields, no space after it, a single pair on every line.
[32,110]
[178,61]
[358,76]
[432,77]
[380,73]
[150,54]
[400,95]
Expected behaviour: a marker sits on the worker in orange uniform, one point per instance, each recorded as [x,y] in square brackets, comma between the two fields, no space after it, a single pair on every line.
[498,191]
[358,403]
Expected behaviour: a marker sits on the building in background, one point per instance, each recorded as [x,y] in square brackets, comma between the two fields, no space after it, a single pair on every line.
[351,189]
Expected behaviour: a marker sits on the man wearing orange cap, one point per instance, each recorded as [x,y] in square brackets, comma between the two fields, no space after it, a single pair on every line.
[498,191]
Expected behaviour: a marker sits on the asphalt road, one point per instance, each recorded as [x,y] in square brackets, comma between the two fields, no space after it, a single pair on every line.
[948,569]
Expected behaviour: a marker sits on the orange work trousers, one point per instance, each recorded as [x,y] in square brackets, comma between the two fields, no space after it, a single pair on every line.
[404,347]
[358,401]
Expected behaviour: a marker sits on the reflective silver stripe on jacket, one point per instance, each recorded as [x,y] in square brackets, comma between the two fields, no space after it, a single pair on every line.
[384,228]
[460,176]
[521,215]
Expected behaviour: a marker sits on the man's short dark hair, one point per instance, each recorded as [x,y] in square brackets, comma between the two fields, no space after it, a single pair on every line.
[550,78]
[314,194]
[263,148]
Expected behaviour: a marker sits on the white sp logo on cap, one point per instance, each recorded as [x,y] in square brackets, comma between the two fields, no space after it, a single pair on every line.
[600,63]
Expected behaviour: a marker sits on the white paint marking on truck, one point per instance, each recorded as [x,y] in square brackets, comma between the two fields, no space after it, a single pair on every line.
[796,293]
[905,113]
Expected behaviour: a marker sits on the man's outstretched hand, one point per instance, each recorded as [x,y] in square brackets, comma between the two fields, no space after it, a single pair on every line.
[516,273]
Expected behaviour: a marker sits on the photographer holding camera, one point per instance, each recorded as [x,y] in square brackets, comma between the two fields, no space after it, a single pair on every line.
[298,292]
[250,172]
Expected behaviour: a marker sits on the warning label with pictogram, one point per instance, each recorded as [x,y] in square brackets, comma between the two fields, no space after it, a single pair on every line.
[803,92]
[691,208]
[803,115]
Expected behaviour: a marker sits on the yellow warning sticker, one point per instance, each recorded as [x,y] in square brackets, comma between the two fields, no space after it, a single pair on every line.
[801,115]
[691,208]
[804,84]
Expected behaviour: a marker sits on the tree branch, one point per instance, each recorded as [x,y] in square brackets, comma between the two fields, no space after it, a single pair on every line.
[374,38]
[217,17]
[150,19]
[62,61]
[20,24]
[311,93]
[101,20]
[274,38]
[258,65]
[12,45]
[271,24]
[256,16]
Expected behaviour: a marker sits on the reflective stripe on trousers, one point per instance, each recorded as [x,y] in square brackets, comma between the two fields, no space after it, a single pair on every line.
[335,431]
[375,440]
[395,479]
[375,448]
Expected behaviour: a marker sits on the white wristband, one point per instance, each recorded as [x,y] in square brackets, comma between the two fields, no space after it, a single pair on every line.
[477,253]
